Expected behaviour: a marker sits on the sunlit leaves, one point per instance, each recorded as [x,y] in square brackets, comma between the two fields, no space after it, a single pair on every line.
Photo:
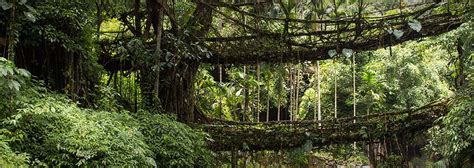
[9,157]
[172,143]
[80,137]
[369,77]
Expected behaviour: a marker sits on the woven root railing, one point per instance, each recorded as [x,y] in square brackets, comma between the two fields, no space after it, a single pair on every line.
[227,135]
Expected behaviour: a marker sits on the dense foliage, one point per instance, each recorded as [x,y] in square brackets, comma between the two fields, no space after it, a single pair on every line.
[49,129]
[453,139]
[174,144]
[8,157]
[122,84]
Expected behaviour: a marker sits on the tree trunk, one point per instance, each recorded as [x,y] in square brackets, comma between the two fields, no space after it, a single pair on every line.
[372,161]
[157,57]
[12,33]
[234,160]
[177,93]
[174,86]
[460,78]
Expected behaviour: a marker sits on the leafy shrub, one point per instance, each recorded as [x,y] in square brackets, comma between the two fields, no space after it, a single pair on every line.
[11,79]
[57,132]
[174,144]
[392,161]
[9,158]
[453,139]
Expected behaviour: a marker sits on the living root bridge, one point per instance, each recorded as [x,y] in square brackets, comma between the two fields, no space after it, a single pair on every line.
[358,34]
[227,135]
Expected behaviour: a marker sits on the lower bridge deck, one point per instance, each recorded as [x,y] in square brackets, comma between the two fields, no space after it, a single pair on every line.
[229,135]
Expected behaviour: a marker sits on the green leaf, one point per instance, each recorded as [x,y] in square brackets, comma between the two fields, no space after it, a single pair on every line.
[241,75]
[22,2]
[30,16]
[245,146]
[332,53]
[5,5]
[3,70]
[12,84]
[9,70]
[238,92]
[31,9]
[307,134]
[290,5]
[23,72]
[347,52]
[151,161]
[329,9]
[398,33]
[415,25]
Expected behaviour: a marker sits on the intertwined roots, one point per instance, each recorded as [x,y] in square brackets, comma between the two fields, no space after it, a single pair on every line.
[227,135]
[261,38]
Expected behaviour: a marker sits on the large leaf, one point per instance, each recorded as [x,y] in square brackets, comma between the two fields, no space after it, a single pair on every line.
[329,9]
[23,72]
[9,70]
[347,52]
[332,53]
[398,33]
[3,70]
[30,16]
[5,5]
[415,25]
[245,146]
[31,9]
[238,93]
[12,84]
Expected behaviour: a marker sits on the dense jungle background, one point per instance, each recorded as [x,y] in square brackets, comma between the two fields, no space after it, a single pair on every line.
[178,83]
